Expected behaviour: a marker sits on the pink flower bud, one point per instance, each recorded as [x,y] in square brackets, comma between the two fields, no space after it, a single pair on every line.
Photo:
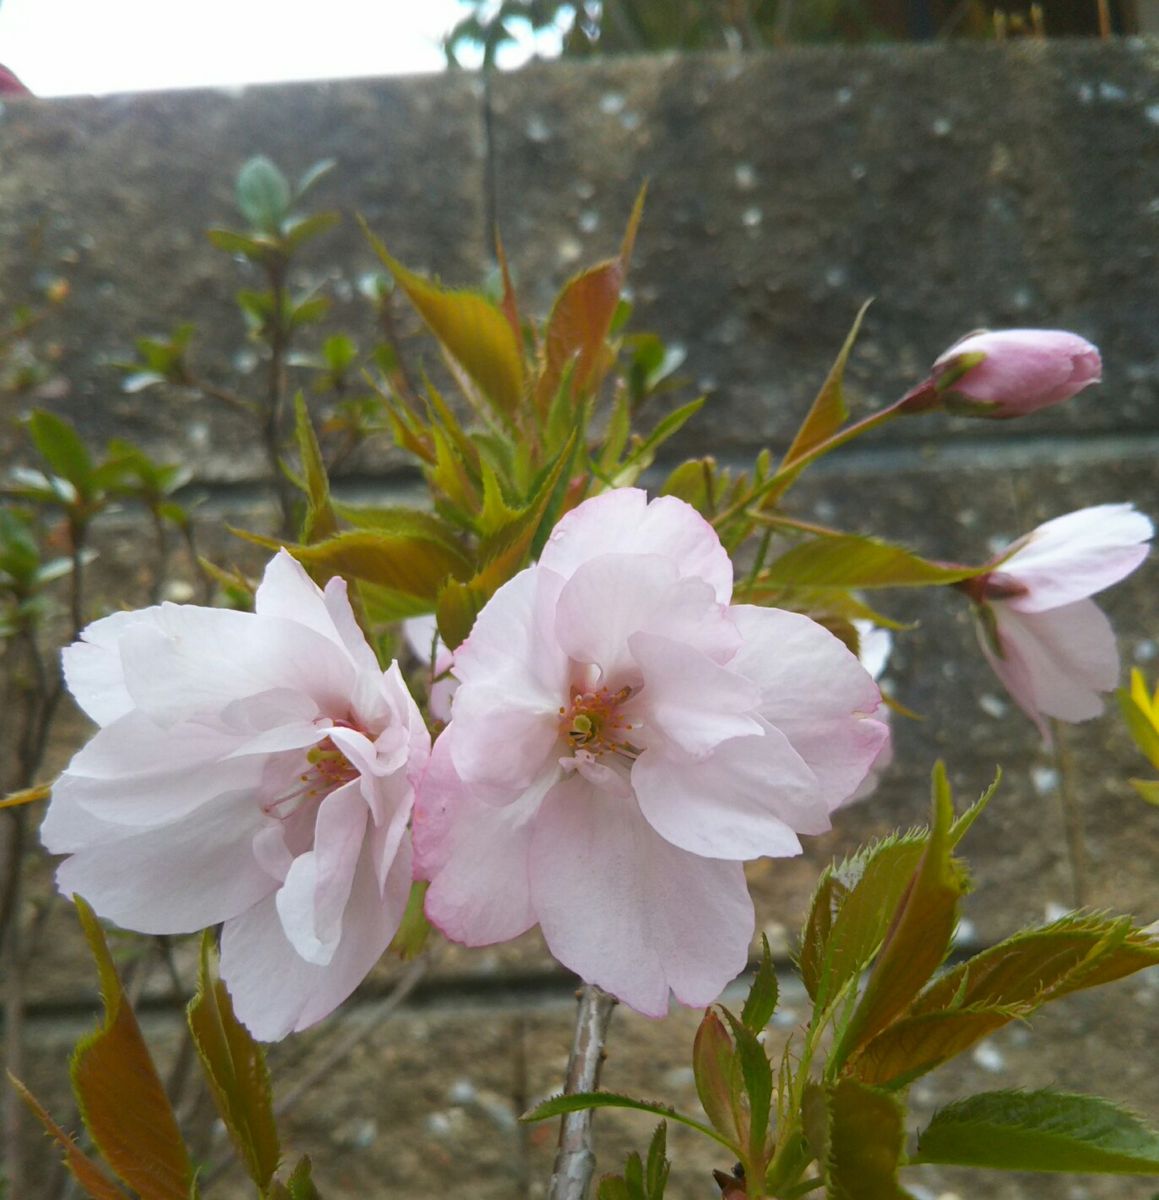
[1012,372]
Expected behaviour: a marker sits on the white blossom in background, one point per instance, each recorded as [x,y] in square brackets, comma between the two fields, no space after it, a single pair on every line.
[621,741]
[254,769]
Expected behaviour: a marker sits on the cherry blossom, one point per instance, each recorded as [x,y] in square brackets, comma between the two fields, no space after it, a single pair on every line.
[1021,371]
[621,741]
[254,769]
[1052,647]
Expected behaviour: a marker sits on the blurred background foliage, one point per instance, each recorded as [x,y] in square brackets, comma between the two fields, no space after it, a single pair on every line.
[598,27]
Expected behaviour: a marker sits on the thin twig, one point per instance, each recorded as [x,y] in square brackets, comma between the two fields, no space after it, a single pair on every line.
[10,956]
[1076,846]
[575,1161]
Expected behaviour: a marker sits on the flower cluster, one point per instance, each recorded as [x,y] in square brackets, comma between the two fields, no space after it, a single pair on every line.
[617,739]
[253,769]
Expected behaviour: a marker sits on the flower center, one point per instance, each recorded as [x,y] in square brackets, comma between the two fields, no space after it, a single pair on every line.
[594,723]
[327,768]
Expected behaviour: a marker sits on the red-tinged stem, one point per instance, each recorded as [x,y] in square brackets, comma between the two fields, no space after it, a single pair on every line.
[575,1162]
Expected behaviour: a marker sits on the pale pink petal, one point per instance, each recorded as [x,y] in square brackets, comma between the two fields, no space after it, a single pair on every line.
[176,878]
[288,593]
[274,990]
[690,700]
[313,897]
[1055,663]
[744,801]
[622,521]
[630,912]
[814,690]
[134,774]
[92,666]
[503,741]
[513,644]
[474,854]
[1077,555]
[194,660]
[616,595]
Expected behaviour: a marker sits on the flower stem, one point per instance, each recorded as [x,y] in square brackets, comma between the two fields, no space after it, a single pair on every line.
[575,1162]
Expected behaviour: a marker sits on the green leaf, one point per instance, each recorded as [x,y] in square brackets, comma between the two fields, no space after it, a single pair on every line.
[235,1070]
[298,230]
[613,1187]
[1040,1131]
[256,249]
[656,1170]
[919,933]
[643,455]
[1136,710]
[263,195]
[504,553]
[121,1097]
[556,1106]
[61,447]
[866,1136]
[309,311]
[319,522]
[300,1185]
[1147,788]
[414,929]
[761,1002]
[851,911]
[849,561]
[829,410]
[854,903]
[717,1074]
[89,1174]
[1037,965]
[757,1073]
[414,558]
[473,331]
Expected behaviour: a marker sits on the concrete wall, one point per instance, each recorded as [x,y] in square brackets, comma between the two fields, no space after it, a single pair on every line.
[960,186]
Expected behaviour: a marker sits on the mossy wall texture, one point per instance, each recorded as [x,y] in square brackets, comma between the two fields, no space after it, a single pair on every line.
[958,186]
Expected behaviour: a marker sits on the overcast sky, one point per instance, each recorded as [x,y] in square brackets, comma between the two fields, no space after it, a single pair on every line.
[64,47]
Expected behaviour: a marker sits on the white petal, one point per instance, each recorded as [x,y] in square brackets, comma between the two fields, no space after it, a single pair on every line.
[613,596]
[133,773]
[92,666]
[1056,663]
[688,699]
[502,744]
[512,643]
[627,910]
[313,897]
[195,661]
[814,690]
[743,801]
[1077,555]
[178,878]
[274,990]
[621,521]
[474,854]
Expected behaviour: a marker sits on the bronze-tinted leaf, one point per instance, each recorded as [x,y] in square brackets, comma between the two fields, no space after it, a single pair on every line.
[121,1097]
[474,332]
[89,1174]
[235,1069]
